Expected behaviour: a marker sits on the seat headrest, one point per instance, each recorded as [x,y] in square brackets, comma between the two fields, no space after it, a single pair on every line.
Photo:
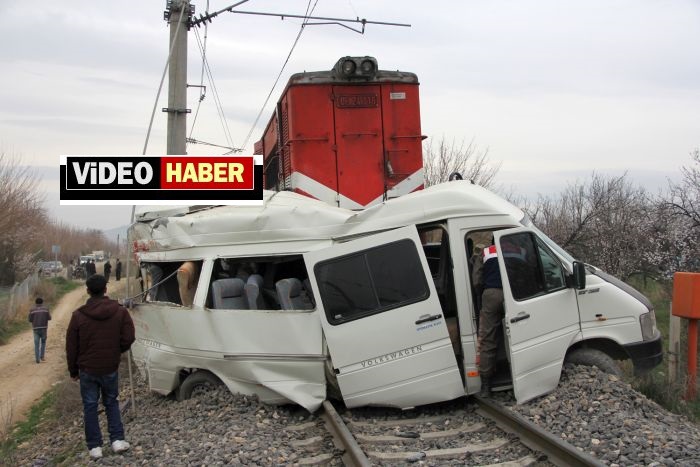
[229,287]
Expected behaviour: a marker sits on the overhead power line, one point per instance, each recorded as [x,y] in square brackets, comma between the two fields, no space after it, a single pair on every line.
[230,149]
[215,92]
[155,104]
[202,88]
[339,21]
[274,85]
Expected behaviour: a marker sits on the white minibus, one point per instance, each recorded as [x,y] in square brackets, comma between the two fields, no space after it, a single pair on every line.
[297,301]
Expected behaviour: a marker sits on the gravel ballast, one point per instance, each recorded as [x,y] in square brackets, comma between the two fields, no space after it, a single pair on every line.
[592,410]
[607,418]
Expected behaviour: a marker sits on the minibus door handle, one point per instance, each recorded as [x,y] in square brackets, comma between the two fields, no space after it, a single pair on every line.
[426,318]
[520,316]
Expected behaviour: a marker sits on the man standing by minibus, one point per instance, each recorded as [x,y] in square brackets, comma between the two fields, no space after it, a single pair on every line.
[487,277]
[98,333]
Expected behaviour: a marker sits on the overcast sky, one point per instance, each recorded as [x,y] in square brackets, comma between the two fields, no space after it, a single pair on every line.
[554,89]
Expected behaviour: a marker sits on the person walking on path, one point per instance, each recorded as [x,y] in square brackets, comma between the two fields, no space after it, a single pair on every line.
[108,270]
[98,333]
[39,316]
[118,269]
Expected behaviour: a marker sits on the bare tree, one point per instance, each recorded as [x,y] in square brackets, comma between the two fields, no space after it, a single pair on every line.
[447,158]
[74,241]
[676,243]
[604,221]
[684,197]
[21,217]
[676,228]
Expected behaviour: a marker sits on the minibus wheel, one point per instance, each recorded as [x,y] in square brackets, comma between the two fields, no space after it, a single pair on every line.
[594,357]
[198,380]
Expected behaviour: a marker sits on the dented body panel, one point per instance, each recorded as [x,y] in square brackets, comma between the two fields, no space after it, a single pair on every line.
[282,364]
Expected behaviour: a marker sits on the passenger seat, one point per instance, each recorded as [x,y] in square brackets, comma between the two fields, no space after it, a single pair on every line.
[292,296]
[252,288]
[228,294]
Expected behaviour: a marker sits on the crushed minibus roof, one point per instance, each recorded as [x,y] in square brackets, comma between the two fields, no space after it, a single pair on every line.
[287,216]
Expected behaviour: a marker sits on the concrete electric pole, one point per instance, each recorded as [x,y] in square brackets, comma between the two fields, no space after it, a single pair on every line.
[177,14]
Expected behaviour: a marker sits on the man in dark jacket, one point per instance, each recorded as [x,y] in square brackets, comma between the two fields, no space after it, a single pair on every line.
[108,270]
[118,269]
[98,333]
[39,316]
[487,277]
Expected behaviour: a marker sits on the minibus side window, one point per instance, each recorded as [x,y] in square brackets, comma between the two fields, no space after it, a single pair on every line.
[260,283]
[553,272]
[371,281]
[170,282]
[532,269]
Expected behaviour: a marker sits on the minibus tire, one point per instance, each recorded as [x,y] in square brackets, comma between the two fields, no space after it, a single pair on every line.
[594,357]
[201,378]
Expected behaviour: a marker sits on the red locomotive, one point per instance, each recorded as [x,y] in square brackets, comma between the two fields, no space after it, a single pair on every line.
[350,136]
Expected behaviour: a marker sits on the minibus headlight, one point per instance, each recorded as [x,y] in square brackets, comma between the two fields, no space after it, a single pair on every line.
[648,324]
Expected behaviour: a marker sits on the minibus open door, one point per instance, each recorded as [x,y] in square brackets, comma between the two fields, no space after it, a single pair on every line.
[382,321]
[541,312]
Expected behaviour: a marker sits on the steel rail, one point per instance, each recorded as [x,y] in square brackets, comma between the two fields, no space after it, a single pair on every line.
[354,456]
[558,451]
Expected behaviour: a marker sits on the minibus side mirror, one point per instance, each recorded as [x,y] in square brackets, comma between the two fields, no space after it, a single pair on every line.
[579,275]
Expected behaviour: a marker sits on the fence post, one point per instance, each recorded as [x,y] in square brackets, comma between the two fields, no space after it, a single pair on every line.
[11,309]
[674,347]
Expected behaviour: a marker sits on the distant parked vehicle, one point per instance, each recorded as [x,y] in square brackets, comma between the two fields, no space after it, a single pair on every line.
[85,258]
[49,268]
[79,272]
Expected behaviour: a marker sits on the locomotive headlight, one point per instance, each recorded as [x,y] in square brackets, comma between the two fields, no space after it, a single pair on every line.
[648,324]
[349,67]
[367,67]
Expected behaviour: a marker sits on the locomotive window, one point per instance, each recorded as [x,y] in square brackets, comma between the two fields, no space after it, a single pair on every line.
[371,281]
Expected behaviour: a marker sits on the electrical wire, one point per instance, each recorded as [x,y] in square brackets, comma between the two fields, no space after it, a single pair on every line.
[217,99]
[160,88]
[201,78]
[196,141]
[301,29]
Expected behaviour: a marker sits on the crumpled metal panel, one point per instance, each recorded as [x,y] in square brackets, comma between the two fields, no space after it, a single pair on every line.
[287,216]
[283,217]
[276,355]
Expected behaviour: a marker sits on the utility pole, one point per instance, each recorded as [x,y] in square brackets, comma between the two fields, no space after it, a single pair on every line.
[177,14]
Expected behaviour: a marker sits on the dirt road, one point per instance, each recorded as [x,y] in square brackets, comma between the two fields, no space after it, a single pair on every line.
[22,380]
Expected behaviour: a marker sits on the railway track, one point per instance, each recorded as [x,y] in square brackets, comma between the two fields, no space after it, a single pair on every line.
[470,431]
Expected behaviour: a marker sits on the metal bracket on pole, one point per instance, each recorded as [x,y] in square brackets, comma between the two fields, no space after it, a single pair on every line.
[177,111]
[171,6]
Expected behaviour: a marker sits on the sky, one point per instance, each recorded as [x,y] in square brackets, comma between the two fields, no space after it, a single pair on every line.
[553,89]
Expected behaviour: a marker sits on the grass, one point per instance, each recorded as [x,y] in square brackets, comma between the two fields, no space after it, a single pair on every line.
[61,287]
[51,290]
[656,385]
[56,408]
[9,328]
[40,413]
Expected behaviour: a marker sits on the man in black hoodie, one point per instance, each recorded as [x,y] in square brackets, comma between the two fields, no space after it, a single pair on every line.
[98,333]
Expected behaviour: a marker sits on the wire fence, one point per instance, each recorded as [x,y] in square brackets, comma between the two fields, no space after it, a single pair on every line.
[11,298]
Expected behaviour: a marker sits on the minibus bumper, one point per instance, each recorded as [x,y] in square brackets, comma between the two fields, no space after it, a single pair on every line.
[645,355]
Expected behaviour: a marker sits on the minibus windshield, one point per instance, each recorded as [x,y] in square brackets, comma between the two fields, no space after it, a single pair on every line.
[550,243]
